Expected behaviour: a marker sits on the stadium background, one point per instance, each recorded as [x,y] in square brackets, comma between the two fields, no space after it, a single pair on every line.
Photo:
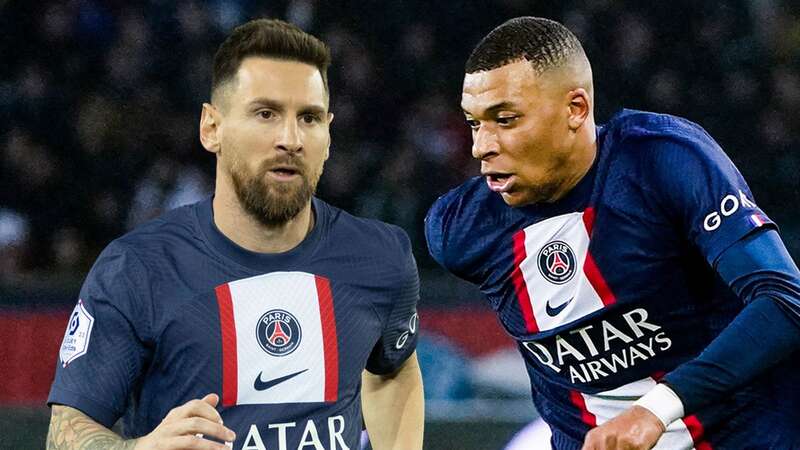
[100,100]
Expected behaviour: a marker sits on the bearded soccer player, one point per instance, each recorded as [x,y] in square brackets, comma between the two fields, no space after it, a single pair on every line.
[652,300]
[247,320]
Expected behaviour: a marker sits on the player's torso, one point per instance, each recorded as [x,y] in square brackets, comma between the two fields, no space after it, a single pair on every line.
[603,296]
[284,349]
[602,304]
[607,289]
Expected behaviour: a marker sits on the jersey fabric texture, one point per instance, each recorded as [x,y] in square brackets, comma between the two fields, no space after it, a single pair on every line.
[178,311]
[612,286]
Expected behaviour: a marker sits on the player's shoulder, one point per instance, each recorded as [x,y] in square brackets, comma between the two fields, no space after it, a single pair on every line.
[660,142]
[642,131]
[460,203]
[631,123]
[160,235]
[363,233]
[456,220]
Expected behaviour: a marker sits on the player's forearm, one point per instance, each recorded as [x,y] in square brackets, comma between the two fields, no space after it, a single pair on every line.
[394,408]
[761,272]
[70,429]
[756,340]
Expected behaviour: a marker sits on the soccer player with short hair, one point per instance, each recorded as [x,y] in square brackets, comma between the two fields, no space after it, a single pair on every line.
[247,320]
[653,302]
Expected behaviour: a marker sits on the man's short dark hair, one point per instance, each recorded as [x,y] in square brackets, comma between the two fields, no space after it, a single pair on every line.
[544,42]
[270,38]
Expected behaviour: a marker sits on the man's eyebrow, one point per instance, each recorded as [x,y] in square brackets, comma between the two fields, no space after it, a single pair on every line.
[313,109]
[266,102]
[494,108]
[278,106]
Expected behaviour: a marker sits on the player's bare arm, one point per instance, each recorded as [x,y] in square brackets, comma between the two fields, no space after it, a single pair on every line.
[393,407]
[70,429]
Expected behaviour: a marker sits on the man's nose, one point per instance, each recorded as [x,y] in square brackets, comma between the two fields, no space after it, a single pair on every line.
[485,144]
[289,139]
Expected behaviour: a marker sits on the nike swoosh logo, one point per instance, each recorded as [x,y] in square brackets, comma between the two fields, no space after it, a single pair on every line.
[264,385]
[552,312]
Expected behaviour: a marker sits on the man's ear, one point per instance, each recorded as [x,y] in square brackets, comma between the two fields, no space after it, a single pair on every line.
[210,131]
[580,106]
[328,147]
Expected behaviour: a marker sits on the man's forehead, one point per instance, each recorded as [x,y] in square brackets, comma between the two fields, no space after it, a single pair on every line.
[280,80]
[509,83]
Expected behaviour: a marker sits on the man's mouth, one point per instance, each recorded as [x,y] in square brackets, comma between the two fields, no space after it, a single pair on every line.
[499,182]
[284,173]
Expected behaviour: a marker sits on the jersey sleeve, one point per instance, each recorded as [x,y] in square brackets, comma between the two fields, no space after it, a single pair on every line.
[435,229]
[702,189]
[760,271]
[448,224]
[104,350]
[399,335]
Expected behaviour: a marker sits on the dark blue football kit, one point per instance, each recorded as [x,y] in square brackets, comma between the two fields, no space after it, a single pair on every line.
[174,310]
[624,281]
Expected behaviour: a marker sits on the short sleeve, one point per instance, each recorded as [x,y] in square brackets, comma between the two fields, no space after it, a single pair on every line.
[103,351]
[434,229]
[702,188]
[399,335]
[449,244]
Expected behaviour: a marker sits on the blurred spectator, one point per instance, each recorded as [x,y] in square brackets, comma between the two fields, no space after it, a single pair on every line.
[101,102]
[167,185]
[14,234]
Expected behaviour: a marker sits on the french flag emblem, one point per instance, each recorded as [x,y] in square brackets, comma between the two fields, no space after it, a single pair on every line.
[757,219]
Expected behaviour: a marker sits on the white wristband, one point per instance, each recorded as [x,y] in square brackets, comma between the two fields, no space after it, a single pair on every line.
[663,402]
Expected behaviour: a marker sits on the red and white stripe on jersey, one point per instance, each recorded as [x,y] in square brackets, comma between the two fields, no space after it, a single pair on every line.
[308,298]
[596,409]
[585,293]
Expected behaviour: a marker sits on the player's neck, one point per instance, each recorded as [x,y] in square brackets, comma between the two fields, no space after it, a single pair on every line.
[584,154]
[247,232]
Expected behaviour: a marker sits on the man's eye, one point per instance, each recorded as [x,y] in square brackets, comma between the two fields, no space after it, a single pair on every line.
[266,114]
[506,120]
[474,124]
[310,118]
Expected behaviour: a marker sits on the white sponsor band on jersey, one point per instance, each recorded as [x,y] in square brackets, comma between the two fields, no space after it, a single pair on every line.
[559,282]
[276,325]
[309,440]
[580,349]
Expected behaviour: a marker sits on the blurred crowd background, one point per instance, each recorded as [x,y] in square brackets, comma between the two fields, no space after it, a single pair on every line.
[100,102]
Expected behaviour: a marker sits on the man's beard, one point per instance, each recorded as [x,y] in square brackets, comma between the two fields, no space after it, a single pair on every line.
[542,193]
[273,203]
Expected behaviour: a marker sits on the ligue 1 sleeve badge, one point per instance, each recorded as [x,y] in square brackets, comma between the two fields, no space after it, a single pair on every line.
[76,338]
[278,332]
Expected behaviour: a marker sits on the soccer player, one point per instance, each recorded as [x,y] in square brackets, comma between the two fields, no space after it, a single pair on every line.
[247,320]
[653,302]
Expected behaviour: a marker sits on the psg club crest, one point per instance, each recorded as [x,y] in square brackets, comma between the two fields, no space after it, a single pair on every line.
[557,262]
[278,332]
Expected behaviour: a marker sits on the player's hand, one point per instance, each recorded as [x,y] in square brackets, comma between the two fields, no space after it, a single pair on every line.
[180,428]
[635,429]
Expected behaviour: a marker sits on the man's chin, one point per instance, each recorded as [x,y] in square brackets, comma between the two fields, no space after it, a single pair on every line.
[276,207]
[516,199]
[273,217]
[526,196]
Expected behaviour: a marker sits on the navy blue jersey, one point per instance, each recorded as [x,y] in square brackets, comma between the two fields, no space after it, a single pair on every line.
[174,310]
[613,286]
